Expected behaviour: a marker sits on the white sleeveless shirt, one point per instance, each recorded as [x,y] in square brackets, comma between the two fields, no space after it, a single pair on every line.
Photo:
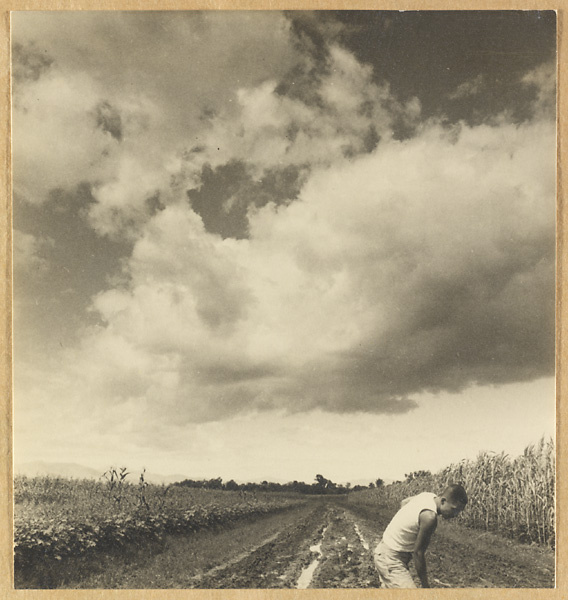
[402,531]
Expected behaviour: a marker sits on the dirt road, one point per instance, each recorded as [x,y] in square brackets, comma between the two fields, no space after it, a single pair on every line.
[326,543]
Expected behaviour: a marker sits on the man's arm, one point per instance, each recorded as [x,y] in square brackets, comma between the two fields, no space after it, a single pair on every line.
[428,521]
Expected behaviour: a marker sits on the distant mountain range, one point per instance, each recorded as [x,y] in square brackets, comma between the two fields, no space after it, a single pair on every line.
[76,471]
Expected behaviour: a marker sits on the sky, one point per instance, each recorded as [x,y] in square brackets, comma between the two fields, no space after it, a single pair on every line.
[269,245]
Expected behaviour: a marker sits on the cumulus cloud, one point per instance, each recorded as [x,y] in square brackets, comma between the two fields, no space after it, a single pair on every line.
[427,265]
[80,119]
[290,252]
[269,135]
[267,128]
[85,109]
[543,81]
[55,144]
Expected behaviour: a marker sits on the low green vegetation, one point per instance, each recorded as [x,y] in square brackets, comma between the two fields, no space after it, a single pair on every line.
[57,519]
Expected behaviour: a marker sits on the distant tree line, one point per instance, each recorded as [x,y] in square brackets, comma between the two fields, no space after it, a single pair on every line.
[321,485]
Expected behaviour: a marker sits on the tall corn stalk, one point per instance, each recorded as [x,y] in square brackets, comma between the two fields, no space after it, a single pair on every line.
[511,496]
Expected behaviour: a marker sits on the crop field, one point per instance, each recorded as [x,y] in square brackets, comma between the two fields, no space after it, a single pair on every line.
[58,521]
[112,534]
[510,496]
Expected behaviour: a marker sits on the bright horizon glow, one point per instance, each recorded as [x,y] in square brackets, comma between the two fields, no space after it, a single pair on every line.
[297,447]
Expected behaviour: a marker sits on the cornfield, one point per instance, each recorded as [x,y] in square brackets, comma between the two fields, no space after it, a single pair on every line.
[510,496]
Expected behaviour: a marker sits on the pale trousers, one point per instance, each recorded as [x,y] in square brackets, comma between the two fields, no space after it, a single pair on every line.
[393,567]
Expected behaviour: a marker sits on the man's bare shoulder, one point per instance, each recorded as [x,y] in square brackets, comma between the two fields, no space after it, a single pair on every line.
[428,518]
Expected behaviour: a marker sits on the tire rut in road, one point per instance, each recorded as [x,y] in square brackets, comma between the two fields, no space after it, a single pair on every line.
[277,563]
[197,580]
[346,562]
[184,557]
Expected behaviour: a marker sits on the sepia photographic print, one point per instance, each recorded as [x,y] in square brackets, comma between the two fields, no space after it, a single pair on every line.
[284,300]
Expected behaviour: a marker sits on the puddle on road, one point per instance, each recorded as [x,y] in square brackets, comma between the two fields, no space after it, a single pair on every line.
[363,541]
[306,575]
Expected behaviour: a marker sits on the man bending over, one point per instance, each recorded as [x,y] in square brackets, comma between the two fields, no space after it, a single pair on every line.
[408,535]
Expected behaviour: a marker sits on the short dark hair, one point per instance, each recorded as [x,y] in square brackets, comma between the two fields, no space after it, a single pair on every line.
[455,493]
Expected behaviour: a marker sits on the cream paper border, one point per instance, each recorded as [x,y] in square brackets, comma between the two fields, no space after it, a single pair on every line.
[6,513]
